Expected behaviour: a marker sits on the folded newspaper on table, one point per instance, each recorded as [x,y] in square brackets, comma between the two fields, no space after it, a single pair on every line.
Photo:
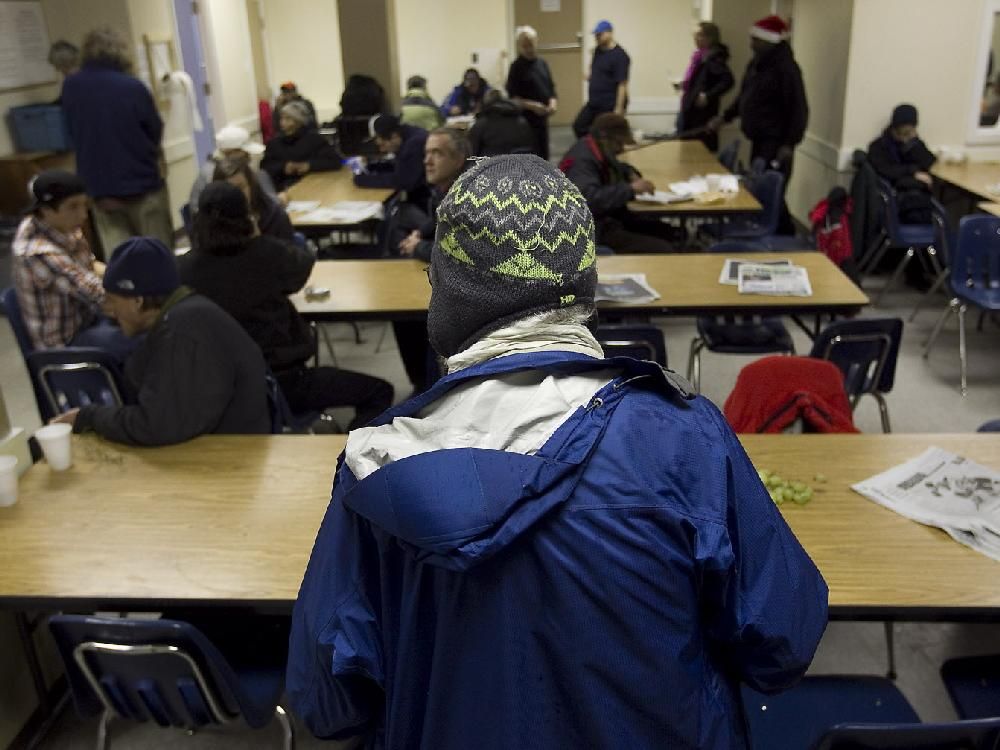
[711,183]
[295,207]
[731,268]
[344,212]
[938,488]
[628,288]
[783,280]
[662,196]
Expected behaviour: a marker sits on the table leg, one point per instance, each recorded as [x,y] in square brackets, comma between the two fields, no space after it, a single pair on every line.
[34,665]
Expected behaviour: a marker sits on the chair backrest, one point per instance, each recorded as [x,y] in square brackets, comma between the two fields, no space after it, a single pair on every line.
[187,219]
[352,135]
[74,376]
[164,670]
[976,260]
[281,412]
[12,309]
[637,341]
[766,188]
[729,155]
[980,734]
[891,217]
[865,350]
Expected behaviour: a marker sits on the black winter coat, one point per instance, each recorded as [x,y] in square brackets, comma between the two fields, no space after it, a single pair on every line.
[897,162]
[603,180]
[306,145]
[405,172]
[713,78]
[253,284]
[197,372]
[771,103]
[501,129]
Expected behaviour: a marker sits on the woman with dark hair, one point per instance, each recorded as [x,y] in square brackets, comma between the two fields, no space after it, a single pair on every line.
[250,275]
[708,77]
[269,215]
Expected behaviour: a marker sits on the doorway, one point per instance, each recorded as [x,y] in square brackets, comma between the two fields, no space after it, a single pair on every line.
[559,24]
[193,55]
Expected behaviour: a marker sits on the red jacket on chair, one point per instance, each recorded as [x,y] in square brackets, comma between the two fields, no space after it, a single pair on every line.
[773,392]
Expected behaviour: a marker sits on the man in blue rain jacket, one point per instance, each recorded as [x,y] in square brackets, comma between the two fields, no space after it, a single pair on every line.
[548,549]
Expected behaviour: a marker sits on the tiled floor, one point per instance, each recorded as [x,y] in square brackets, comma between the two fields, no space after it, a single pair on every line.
[925,399]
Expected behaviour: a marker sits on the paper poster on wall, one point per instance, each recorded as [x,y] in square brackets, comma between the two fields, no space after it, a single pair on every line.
[24,46]
[551,6]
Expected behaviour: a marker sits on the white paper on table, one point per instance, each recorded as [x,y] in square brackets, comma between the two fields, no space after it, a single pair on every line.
[731,268]
[294,207]
[784,281]
[692,187]
[624,287]
[729,183]
[344,212]
[662,196]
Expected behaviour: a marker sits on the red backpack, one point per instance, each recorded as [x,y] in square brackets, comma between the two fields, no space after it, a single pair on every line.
[832,226]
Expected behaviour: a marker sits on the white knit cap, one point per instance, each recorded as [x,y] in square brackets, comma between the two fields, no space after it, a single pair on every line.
[233,136]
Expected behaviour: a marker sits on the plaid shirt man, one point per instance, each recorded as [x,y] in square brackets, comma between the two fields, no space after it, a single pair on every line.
[57,289]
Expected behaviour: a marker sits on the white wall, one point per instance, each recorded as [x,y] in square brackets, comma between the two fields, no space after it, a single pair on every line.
[234,100]
[303,42]
[436,39]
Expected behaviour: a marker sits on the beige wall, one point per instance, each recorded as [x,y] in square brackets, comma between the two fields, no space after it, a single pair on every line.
[436,39]
[234,100]
[821,41]
[303,43]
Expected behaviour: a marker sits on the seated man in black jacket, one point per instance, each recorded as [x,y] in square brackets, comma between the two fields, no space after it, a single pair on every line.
[609,184]
[299,149]
[406,170]
[196,371]
[250,276]
[904,161]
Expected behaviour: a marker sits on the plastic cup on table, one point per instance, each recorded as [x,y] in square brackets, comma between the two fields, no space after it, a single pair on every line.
[8,480]
[55,442]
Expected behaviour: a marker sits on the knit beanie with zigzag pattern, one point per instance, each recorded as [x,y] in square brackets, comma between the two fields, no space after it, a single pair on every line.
[514,238]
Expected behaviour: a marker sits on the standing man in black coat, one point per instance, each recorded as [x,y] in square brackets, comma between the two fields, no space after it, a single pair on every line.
[707,79]
[530,87]
[771,103]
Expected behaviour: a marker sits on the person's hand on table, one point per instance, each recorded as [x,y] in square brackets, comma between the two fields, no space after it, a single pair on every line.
[924,177]
[640,186]
[408,245]
[67,417]
[99,268]
[283,198]
[296,167]
[455,110]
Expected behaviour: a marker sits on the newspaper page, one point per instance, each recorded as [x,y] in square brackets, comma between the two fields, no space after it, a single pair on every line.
[663,196]
[731,268]
[344,212]
[938,488]
[786,281]
[629,288]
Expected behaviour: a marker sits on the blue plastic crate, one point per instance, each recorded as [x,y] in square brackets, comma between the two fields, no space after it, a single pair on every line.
[39,127]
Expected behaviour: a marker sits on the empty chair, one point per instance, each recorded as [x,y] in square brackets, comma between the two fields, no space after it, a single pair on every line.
[927,238]
[169,672]
[75,376]
[798,718]
[973,683]
[865,351]
[767,188]
[974,280]
[638,341]
[955,735]
[992,426]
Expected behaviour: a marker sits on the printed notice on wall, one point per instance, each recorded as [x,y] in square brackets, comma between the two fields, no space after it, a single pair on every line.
[24,46]
[551,6]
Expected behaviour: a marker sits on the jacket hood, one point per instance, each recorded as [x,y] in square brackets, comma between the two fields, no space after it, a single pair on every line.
[457,508]
[502,108]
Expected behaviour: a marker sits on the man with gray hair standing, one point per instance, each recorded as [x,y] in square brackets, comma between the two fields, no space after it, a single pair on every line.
[530,86]
[548,548]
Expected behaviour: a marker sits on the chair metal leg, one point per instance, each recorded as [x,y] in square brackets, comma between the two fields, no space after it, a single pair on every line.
[381,337]
[895,275]
[287,730]
[890,645]
[103,736]
[873,260]
[945,314]
[357,333]
[883,409]
[962,356]
[938,283]
[694,364]
[329,344]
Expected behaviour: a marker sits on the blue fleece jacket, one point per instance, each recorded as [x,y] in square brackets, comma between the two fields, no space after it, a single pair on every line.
[609,591]
[116,132]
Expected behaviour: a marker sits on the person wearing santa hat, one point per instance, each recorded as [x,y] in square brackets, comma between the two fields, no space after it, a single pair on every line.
[771,103]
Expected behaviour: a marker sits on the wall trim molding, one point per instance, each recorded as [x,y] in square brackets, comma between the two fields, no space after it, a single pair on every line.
[178,149]
[653,105]
[251,123]
[837,158]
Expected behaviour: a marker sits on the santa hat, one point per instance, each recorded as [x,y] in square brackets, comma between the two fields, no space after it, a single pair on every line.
[771,29]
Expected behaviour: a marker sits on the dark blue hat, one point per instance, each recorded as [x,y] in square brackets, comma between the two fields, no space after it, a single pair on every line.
[904,114]
[602,26]
[142,267]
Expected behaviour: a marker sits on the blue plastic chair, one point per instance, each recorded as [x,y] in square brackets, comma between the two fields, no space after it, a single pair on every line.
[169,672]
[767,188]
[637,341]
[798,718]
[929,238]
[283,419]
[865,350]
[729,156]
[956,735]
[736,334]
[973,683]
[974,279]
[992,426]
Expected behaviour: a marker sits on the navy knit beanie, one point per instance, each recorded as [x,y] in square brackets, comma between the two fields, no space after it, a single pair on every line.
[142,267]
[514,238]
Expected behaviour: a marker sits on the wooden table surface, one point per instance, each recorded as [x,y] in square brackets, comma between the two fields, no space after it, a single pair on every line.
[687,284]
[232,519]
[972,177]
[677,161]
[329,188]
[990,208]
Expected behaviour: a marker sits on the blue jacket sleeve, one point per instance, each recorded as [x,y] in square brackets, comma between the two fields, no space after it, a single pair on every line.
[767,602]
[335,680]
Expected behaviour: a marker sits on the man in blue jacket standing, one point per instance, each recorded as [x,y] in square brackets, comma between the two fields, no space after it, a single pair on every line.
[547,549]
[116,133]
